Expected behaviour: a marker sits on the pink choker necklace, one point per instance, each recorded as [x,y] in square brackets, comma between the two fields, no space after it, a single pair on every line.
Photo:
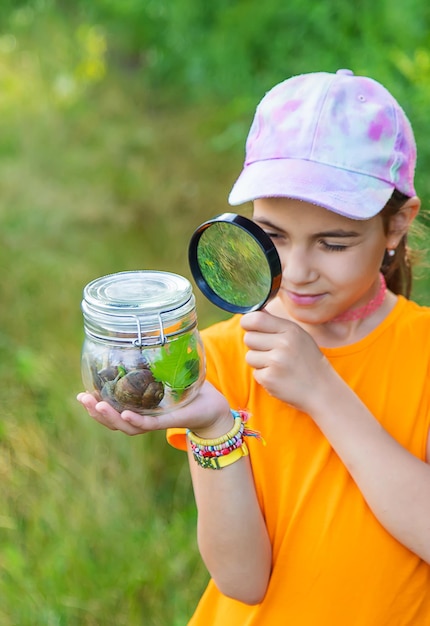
[367,309]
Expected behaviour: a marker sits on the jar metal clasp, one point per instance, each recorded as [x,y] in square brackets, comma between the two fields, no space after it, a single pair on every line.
[158,341]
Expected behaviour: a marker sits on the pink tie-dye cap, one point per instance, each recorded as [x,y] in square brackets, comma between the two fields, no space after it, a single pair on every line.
[337,140]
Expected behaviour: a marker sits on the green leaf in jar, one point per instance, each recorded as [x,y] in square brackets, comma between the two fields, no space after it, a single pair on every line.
[177,363]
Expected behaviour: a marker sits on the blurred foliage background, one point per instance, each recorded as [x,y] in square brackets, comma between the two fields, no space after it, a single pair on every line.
[122,127]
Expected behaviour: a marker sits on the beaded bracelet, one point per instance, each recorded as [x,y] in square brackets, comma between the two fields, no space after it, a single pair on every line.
[218,462]
[211,447]
[224,450]
[221,450]
[220,440]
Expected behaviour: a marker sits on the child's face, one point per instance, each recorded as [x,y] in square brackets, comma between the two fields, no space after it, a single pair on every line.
[330,263]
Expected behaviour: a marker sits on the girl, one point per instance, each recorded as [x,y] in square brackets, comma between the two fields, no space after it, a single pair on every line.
[326,521]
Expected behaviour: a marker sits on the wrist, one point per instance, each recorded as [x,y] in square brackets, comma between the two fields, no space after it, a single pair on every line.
[330,386]
[216,453]
[222,450]
[218,428]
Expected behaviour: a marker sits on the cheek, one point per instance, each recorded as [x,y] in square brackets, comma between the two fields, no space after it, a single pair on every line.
[352,265]
[374,255]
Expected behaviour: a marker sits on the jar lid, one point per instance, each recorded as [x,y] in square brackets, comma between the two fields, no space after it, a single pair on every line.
[140,307]
[140,292]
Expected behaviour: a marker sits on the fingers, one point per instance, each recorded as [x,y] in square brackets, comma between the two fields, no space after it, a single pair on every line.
[257,359]
[148,423]
[272,342]
[262,322]
[106,415]
[259,341]
[209,407]
[263,330]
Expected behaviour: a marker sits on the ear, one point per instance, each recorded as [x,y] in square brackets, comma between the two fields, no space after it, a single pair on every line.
[399,223]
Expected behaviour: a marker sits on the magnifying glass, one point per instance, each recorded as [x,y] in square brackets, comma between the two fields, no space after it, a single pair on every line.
[234,263]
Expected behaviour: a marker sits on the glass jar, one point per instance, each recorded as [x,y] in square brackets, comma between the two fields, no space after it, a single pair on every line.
[142,350]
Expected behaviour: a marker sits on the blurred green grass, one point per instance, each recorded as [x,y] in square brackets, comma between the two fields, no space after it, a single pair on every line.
[95,528]
[99,173]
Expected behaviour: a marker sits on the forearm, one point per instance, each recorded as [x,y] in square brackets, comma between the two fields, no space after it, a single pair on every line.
[395,484]
[232,535]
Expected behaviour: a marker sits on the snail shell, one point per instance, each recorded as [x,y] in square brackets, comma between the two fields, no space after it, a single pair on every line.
[138,390]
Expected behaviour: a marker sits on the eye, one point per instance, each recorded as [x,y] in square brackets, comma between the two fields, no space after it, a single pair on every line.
[273,235]
[333,247]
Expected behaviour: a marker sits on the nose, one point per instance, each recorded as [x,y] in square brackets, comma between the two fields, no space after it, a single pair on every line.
[297,266]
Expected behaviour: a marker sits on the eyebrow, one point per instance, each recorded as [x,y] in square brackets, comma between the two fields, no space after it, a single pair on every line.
[338,233]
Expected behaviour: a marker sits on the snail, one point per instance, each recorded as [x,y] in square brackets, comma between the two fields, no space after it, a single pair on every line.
[136,390]
[111,372]
[99,377]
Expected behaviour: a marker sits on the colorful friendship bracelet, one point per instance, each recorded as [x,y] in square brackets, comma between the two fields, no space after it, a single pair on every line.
[218,462]
[217,450]
[225,450]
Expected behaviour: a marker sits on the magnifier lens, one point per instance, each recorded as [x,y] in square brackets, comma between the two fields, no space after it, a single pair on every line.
[234,263]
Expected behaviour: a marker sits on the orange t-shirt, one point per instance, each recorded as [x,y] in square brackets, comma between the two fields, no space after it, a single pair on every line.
[333,562]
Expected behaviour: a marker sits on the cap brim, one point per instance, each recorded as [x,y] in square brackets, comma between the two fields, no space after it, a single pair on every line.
[353,195]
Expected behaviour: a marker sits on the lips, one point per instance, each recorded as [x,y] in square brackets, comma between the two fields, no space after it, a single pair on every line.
[304,299]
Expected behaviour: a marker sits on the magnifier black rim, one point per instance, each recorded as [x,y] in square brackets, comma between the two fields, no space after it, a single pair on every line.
[265,244]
